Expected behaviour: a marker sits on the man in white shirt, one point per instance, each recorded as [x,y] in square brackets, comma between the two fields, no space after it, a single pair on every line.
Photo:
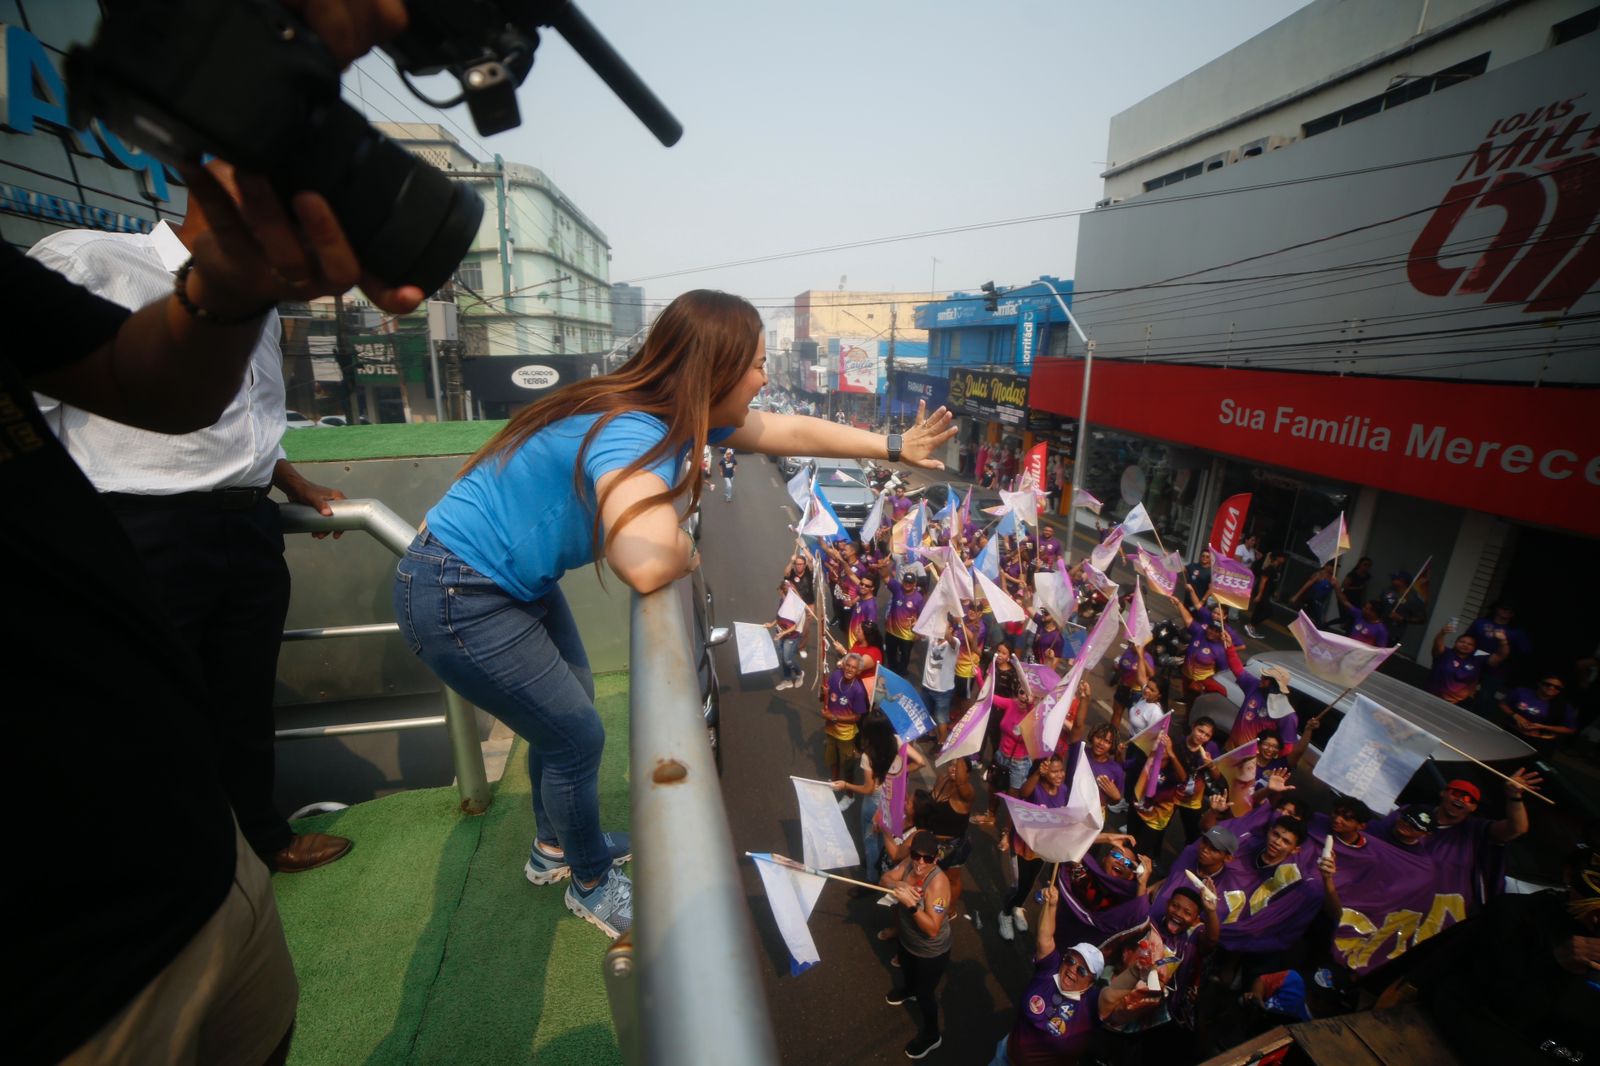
[195,506]
[939,681]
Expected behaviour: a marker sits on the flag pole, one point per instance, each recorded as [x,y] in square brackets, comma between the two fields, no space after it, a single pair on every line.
[782,860]
[1496,773]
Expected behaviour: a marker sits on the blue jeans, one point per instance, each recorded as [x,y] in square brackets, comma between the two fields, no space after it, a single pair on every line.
[871,842]
[789,657]
[727,486]
[525,664]
[938,704]
[1017,768]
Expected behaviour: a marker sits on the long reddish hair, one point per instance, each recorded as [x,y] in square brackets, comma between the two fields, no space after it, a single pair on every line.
[694,354]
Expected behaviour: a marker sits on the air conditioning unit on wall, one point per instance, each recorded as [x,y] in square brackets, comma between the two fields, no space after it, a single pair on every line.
[1263,145]
[1218,161]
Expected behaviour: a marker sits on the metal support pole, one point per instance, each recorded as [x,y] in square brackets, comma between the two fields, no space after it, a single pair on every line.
[396,534]
[698,986]
[1080,459]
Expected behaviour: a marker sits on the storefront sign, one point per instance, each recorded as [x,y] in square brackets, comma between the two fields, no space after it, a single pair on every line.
[909,389]
[858,366]
[1532,454]
[15,200]
[989,395]
[520,379]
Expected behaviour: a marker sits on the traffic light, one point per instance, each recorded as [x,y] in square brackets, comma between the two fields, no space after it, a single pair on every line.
[991,298]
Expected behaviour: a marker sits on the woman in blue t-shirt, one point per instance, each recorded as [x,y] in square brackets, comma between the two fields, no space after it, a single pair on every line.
[595,469]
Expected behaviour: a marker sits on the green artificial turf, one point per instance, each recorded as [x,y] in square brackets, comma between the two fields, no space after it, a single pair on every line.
[427,945]
[386,441]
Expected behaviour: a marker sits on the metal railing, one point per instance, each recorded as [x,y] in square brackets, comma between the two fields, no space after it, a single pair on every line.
[396,534]
[694,998]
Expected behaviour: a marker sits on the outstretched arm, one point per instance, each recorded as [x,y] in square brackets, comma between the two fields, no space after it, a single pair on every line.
[775,434]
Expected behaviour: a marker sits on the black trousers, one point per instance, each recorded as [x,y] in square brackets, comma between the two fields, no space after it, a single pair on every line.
[1027,874]
[222,578]
[922,980]
[897,654]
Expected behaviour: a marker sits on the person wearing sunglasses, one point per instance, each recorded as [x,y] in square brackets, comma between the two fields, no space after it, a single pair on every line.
[922,892]
[1058,1012]
[1539,715]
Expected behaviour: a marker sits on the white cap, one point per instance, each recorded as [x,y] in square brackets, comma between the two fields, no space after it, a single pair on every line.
[1091,957]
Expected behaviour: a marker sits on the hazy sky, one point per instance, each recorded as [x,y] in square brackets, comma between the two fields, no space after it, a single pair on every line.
[814,124]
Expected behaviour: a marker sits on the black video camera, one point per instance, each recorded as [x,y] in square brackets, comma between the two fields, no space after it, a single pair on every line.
[247,81]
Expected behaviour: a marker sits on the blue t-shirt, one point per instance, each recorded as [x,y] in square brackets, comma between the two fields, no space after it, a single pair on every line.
[520,524]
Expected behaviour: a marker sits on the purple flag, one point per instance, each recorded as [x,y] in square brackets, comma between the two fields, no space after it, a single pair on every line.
[895,816]
[1102,635]
[1393,899]
[1096,906]
[967,736]
[1105,552]
[1231,582]
[1150,565]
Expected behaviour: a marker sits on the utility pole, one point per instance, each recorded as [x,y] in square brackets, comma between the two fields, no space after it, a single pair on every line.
[443,340]
[1080,456]
[345,358]
[894,311]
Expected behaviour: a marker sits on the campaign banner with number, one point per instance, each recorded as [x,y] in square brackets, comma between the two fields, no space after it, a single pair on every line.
[1231,582]
[1372,755]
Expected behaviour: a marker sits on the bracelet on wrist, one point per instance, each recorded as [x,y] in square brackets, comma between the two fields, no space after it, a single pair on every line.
[180,285]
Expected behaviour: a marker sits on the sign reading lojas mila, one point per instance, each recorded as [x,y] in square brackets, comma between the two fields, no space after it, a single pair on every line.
[1531,454]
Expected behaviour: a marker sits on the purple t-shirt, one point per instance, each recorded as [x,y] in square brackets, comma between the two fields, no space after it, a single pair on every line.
[1253,719]
[1455,676]
[905,607]
[1128,666]
[1050,640]
[1537,709]
[1204,657]
[1114,770]
[1049,551]
[864,611]
[1374,633]
[846,697]
[1052,1026]
[1466,860]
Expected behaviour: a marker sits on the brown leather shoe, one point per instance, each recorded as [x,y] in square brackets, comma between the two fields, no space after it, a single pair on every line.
[307,851]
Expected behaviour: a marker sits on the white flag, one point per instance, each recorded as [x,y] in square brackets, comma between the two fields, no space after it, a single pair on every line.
[1055,716]
[793,609]
[1373,754]
[792,894]
[824,838]
[1138,623]
[1050,593]
[1062,834]
[1330,541]
[815,519]
[800,488]
[869,528]
[1105,553]
[1024,504]
[1100,638]
[756,650]
[942,603]
[1003,607]
[1137,520]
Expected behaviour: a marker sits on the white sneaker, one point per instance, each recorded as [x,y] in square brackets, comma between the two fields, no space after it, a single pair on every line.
[608,906]
[1020,918]
[1252,632]
[1006,932]
[781,685]
[845,801]
[803,654]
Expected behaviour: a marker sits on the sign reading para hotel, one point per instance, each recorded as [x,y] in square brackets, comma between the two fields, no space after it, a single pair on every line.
[1531,454]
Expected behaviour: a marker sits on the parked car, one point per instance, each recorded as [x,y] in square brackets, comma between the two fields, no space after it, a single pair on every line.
[296,420]
[332,421]
[1457,726]
[700,616]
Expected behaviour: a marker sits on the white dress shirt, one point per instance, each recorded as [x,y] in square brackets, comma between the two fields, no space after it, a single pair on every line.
[239,451]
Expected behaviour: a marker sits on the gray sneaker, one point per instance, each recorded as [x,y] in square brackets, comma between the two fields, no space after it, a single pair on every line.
[608,906]
[542,869]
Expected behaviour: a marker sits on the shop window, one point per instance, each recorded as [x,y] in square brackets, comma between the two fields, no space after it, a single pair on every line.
[470,274]
[1165,478]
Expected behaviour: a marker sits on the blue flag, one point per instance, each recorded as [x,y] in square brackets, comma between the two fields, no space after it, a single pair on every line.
[918,528]
[903,704]
[1007,526]
[949,503]
[988,560]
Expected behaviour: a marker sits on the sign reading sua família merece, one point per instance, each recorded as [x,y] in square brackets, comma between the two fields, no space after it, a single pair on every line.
[991,395]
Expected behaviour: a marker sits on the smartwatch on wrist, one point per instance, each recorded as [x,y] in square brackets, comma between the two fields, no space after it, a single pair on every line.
[894,447]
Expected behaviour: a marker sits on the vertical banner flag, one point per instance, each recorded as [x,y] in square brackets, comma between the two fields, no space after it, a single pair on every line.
[1152,566]
[988,560]
[1336,659]
[1138,621]
[1003,607]
[792,894]
[1227,529]
[1105,552]
[904,706]
[967,735]
[1033,468]
[824,836]
[1007,526]
[817,518]
[832,515]
[895,816]
[1102,635]
[898,535]
[1055,718]
[1230,763]
[800,489]
[949,503]
[1085,499]
[1100,583]
[756,650]
[1231,581]
[1331,541]
[1145,739]
[793,609]
[1137,520]
[1373,754]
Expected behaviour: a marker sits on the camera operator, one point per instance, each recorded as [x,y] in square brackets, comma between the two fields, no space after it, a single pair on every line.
[147,922]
